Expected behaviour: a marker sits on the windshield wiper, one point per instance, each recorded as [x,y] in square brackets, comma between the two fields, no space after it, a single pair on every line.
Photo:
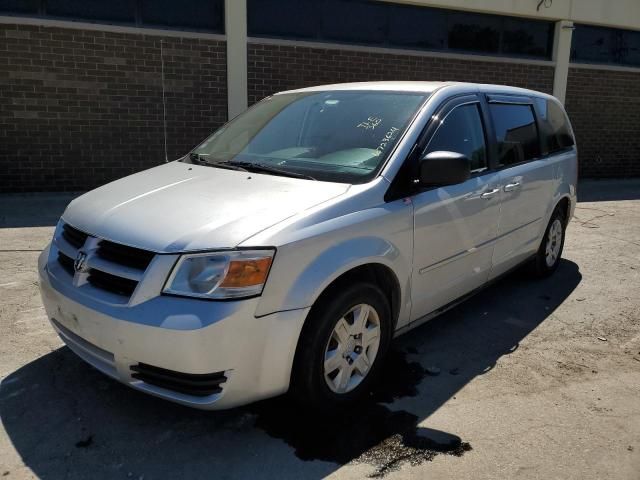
[196,157]
[261,167]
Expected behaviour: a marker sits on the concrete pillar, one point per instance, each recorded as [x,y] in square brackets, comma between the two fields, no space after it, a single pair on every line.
[561,55]
[235,13]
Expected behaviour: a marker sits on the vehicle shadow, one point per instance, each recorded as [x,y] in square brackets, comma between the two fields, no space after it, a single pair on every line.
[65,419]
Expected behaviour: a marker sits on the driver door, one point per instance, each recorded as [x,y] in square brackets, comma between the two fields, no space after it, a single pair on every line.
[455,226]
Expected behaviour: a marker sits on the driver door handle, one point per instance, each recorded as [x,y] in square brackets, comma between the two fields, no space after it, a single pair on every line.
[490,193]
[509,187]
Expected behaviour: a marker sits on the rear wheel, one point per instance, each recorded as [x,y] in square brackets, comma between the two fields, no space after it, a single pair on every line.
[343,343]
[548,257]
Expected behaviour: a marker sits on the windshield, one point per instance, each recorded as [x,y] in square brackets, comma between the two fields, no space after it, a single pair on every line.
[337,136]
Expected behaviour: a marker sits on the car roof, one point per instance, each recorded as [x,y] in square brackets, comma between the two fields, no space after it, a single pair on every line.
[422,87]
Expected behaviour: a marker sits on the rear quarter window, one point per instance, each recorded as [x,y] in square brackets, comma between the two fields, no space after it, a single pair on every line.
[554,126]
[516,133]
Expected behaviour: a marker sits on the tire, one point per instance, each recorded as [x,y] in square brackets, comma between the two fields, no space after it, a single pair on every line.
[329,335]
[549,253]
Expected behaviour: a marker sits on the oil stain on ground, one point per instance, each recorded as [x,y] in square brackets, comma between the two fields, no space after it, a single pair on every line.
[371,433]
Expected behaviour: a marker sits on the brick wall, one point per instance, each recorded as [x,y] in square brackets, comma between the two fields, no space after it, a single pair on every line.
[273,68]
[604,107]
[79,108]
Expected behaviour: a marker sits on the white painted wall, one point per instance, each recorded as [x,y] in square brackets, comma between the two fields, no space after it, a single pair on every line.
[612,13]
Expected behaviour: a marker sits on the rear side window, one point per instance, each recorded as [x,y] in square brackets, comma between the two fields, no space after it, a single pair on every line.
[555,132]
[462,132]
[516,133]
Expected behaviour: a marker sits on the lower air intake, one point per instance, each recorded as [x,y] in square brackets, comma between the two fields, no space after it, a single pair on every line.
[199,385]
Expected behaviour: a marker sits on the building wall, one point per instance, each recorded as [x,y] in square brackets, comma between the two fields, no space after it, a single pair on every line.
[604,107]
[274,67]
[617,13]
[79,108]
[81,103]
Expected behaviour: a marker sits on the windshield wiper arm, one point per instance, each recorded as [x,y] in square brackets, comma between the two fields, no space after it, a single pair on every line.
[195,157]
[261,167]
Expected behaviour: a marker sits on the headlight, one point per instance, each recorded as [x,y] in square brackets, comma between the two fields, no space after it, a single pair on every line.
[234,274]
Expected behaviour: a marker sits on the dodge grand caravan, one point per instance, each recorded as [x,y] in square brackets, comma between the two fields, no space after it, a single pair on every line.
[287,250]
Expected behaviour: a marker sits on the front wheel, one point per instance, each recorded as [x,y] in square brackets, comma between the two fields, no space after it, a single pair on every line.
[343,343]
[550,251]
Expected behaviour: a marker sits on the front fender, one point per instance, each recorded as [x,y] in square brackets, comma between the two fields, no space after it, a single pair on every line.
[295,283]
[339,259]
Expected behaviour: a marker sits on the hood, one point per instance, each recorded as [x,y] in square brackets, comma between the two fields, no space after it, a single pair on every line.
[179,207]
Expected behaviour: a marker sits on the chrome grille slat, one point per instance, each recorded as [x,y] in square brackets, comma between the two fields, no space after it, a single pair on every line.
[124,255]
[111,283]
[67,263]
[65,247]
[74,236]
[96,262]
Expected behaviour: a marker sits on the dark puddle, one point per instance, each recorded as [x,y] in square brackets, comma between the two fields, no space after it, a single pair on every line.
[371,433]
[85,443]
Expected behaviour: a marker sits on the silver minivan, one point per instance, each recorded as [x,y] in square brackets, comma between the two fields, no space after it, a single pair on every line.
[287,250]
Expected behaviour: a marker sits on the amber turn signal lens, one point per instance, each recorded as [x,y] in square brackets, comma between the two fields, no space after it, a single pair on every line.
[246,273]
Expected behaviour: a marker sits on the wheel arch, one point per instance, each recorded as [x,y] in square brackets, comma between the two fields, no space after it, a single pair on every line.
[315,266]
[377,273]
[564,205]
[563,201]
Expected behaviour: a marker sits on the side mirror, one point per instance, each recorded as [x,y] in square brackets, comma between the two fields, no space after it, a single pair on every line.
[438,169]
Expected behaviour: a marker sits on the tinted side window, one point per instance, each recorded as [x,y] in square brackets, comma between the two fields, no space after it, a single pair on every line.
[19,6]
[114,10]
[516,133]
[555,131]
[354,22]
[462,132]
[278,18]
[592,44]
[527,37]
[474,33]
[389,24]
[205,15]
[417,27]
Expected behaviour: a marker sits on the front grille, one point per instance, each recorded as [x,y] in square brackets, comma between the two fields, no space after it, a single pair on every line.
[199,385]
[111,283]
[124,255]
[66,263]
[109,266]
[74,236]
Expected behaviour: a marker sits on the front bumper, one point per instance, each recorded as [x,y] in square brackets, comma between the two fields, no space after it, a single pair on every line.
[189,336]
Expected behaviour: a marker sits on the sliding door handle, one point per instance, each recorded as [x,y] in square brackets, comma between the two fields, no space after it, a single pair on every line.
[509,187]
[490,193]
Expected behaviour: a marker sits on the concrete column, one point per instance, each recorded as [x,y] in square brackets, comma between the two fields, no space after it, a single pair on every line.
[235,13]
[561,55]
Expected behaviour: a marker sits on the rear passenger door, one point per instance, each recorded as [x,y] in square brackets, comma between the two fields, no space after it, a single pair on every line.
[525,178]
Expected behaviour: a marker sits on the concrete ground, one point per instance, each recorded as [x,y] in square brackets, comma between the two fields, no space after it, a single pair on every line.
[529,379]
